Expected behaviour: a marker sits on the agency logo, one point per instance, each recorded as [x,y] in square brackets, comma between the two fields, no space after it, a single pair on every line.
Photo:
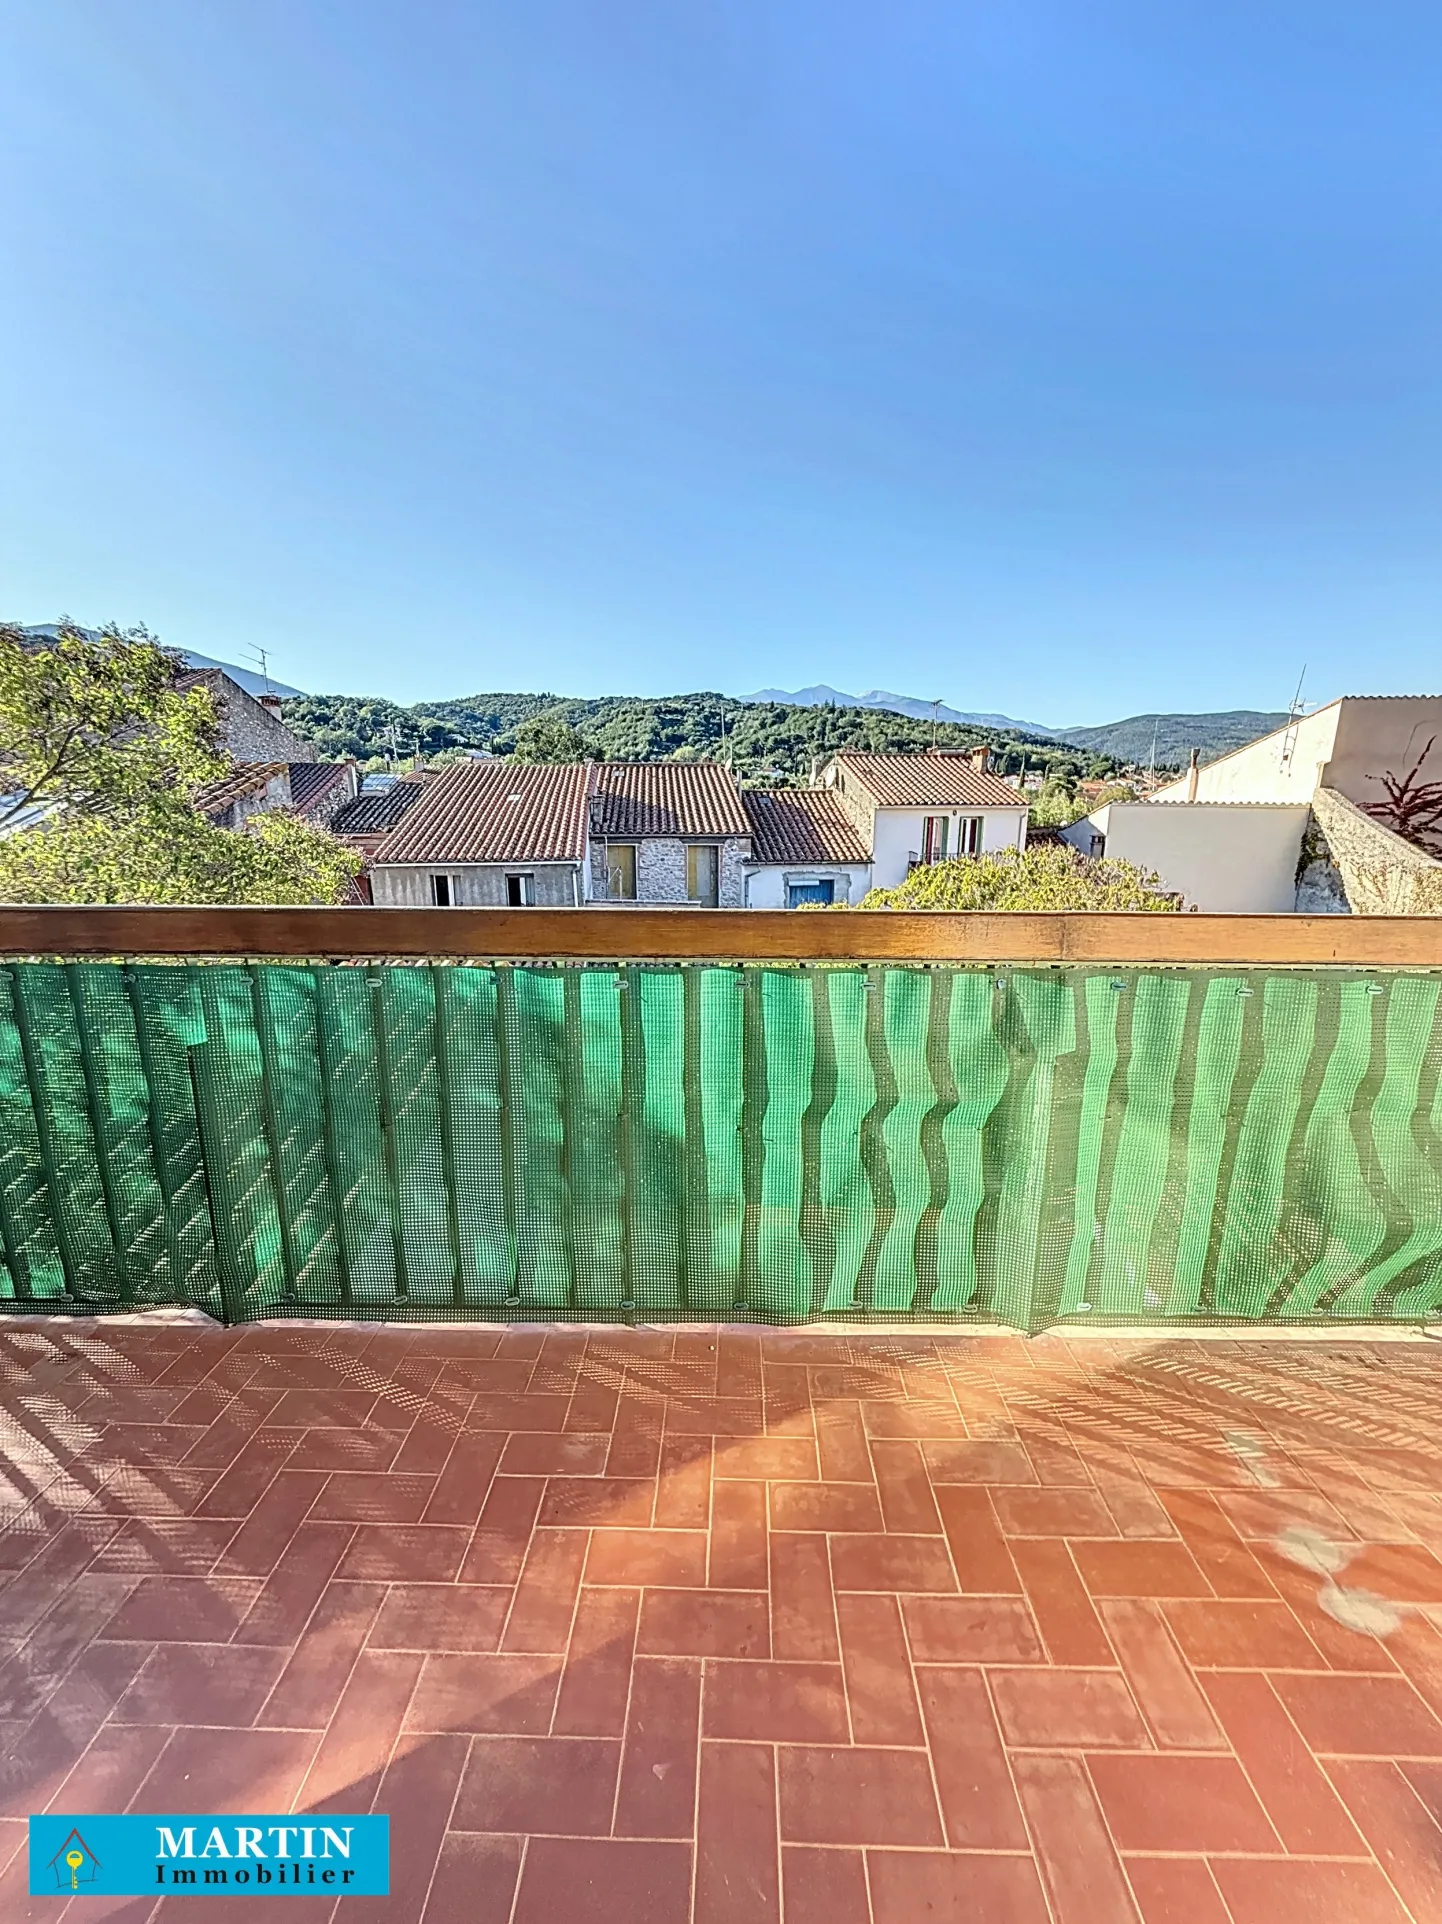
[221,1855]
[74,1863]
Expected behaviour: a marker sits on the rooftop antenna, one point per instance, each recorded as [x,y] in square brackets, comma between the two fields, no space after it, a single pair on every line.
[1295,712]
[261,658]
[1152,764]
[934,706]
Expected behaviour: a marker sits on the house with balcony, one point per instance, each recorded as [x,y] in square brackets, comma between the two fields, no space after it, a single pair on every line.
[912,809]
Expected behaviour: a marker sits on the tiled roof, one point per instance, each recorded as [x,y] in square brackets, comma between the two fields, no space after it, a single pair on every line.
[376,812]
[667,798]
[801,825]
[246,778]
[928,781]
[311,782]
[495,812]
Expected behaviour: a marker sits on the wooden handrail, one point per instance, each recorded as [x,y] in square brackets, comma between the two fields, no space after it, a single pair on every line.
[730,935]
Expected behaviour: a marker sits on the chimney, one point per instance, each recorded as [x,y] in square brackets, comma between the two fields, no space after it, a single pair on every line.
[980,757]
[1192,776]
[270,702]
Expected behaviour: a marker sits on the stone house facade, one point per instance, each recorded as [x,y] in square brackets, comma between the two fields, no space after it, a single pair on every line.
[671,833]
[251,729]
[316,791]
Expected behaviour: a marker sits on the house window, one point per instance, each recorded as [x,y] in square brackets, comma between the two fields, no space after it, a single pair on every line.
[799,894]
[703,865]
[621,871]
[968,835]
[520,891]
[441,893]
[933,837]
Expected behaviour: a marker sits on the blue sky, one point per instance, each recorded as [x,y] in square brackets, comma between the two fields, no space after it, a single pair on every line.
[1066,359]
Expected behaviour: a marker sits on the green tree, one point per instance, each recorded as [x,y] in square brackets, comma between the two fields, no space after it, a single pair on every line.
[551,741]
[98,726]
[170,853]
[1046,876]
[102,757]
[1056,804]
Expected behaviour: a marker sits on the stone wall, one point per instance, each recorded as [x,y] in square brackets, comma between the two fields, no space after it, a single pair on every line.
[661,869]
[260,801]
[336,797]
[1379,872]
[248,730]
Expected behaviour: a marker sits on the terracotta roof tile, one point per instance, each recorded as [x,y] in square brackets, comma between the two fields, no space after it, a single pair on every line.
[802,825]
[246,778]
[496,812]
[667,798]
[928,781]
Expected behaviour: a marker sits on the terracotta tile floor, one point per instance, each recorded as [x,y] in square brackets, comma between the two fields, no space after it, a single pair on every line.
[735,1626]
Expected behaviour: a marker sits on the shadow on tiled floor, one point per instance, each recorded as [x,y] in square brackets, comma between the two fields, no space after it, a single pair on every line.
[737,1626]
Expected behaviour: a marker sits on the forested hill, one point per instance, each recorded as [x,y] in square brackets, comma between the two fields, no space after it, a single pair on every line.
[769,741]
[1175,736]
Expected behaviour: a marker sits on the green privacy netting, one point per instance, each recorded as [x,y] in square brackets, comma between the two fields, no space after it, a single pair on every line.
[658,1143]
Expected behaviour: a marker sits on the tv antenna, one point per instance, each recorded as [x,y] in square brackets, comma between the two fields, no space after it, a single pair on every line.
[1295,711]
[934,707]
[261,658]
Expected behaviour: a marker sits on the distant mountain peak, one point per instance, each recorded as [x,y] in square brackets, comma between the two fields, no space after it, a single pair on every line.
[914,705]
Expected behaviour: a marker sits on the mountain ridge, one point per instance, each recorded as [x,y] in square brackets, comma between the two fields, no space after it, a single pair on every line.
[1175,736]
[766,741]
[820,695]
[1169,738]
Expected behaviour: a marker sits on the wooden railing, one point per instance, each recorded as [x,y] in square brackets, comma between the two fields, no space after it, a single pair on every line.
[596,935]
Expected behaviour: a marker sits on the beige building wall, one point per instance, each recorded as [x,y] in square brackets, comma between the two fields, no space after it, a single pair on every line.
[557,885]
[1224,858]
[1344,746]
[1283,767]
[1382,733]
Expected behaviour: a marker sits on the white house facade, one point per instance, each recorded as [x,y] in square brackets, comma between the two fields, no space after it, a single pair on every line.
[915,809]
[806,850]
